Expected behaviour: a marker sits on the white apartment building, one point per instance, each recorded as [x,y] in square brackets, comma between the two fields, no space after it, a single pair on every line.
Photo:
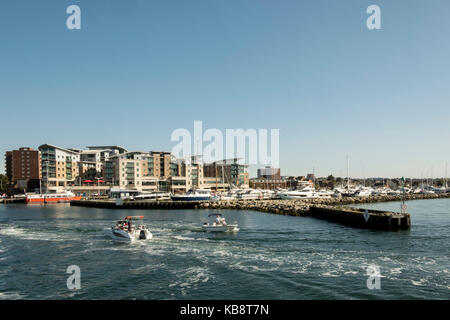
[59,167]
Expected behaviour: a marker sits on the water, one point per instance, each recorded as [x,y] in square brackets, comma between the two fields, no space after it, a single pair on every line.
[272,257]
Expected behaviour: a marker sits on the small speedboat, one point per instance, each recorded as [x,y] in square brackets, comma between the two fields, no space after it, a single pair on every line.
[127,230]
[218,224]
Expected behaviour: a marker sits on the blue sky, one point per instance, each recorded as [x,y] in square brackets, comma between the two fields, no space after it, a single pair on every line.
[137,70]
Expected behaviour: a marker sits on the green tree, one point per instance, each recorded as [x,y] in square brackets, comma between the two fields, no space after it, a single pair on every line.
[3,183]
[330,178]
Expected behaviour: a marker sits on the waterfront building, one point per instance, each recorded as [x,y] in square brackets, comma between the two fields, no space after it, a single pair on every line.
[130,170]
[59,168]
[23,168]
[269,173]
[228,171]
[88,170]
[270,184]
[189,175]
[159,164]
[106,151]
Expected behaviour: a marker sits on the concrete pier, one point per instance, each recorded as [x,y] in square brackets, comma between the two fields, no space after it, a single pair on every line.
[109,204]
[375,219]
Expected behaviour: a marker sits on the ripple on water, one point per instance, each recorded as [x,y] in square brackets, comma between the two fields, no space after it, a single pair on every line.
[190,278]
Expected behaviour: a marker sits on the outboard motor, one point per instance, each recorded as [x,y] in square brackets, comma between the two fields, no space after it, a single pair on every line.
[142,235]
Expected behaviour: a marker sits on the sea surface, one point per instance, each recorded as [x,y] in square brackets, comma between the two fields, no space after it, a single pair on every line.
[271,257]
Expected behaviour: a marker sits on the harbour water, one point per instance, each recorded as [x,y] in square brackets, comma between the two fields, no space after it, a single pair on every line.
[272,256]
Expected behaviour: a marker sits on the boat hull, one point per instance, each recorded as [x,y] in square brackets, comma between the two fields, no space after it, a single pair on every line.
[122,235]
[182,198]
[48,200]
[227,228]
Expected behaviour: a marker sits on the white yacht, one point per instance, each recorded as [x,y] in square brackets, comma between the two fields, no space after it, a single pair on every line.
[249,194]
[324,193]
[153,196]
[394,192]
[194,195]
[305,193]
[439,189]
[228,195]
[268,194]
[363,192]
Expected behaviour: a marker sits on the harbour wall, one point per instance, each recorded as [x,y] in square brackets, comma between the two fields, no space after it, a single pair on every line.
[332,209]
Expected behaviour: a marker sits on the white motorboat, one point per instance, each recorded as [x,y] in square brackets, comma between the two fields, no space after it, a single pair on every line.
[249,194]
[363,192]
[269,194]
[305,193]
[194,195]
[394,192]
[153,196]
[325,193]
[127,230]
[228,195]
[440,189]
[218,224]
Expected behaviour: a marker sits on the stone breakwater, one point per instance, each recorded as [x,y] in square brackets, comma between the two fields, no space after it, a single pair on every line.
[299,207]
[337,210]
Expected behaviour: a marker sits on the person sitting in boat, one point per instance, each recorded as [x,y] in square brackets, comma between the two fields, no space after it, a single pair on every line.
[223,222]
[217,221]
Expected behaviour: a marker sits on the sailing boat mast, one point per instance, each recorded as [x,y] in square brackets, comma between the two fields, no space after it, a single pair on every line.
[446,185]
[348,173]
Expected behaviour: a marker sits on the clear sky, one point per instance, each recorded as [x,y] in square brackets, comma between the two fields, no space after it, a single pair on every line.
[137,70]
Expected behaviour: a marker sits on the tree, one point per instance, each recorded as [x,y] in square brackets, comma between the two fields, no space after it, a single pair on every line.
[4,181]
[330,178]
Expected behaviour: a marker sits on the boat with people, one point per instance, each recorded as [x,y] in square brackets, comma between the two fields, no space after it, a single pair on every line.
[194,195]
[218,224]
[51,197]
[127,230]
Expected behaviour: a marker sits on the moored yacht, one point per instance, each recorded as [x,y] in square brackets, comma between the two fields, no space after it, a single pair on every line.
[307,192]
[153,196]
[363,192]
[249,194]
[194,195]
[324,193]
